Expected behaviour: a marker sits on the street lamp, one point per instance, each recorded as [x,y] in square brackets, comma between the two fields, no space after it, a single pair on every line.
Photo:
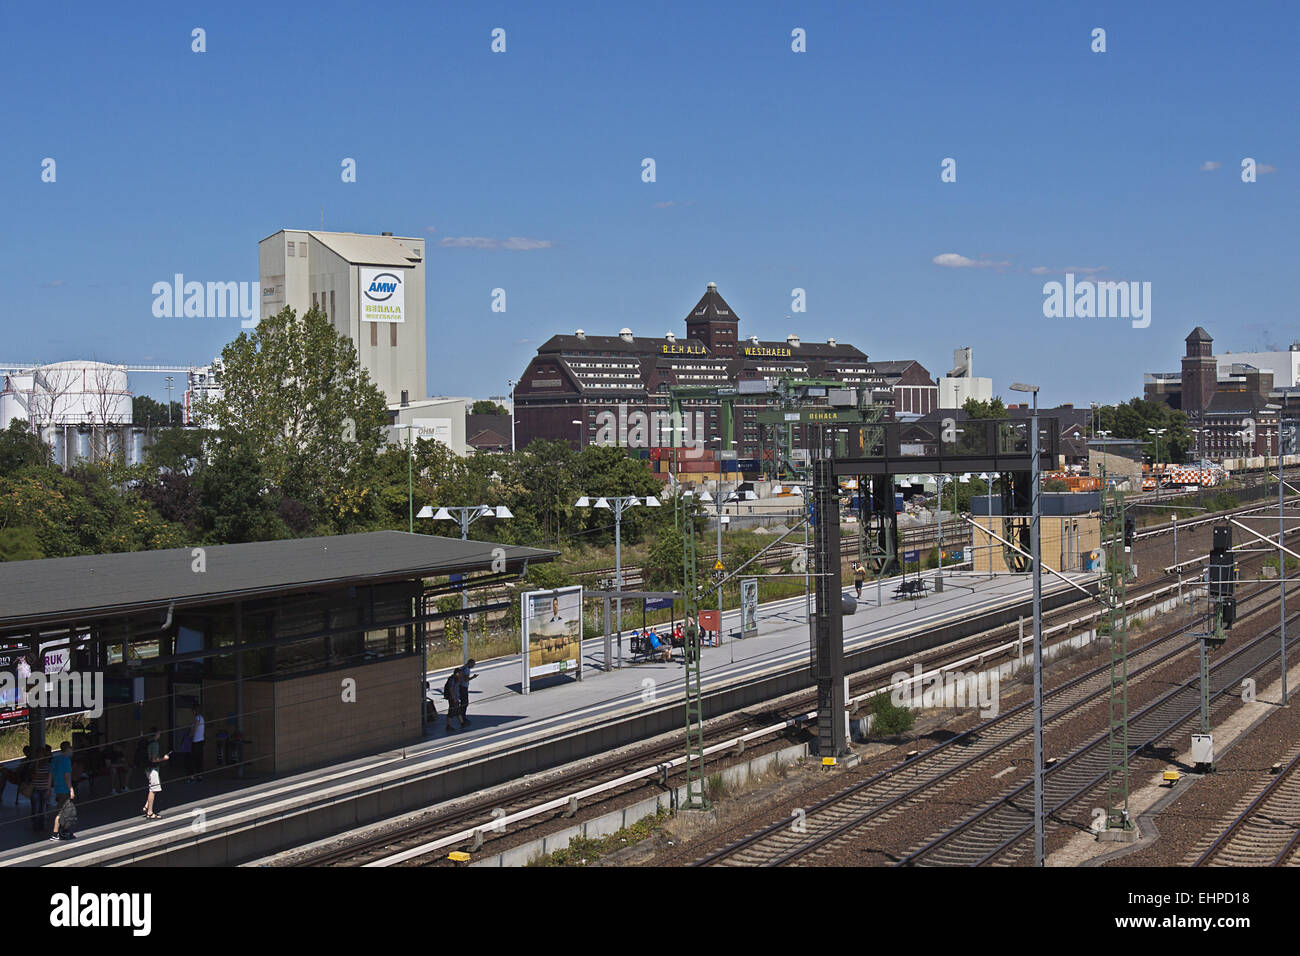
[410,475]
[169,381]
[617,505]
[465,516]
[512,383]
[1035,481]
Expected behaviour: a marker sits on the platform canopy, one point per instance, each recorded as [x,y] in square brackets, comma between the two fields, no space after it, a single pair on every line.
[60,590]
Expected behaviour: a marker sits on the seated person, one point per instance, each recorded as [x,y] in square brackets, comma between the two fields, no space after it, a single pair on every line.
[664,651]
[679,639]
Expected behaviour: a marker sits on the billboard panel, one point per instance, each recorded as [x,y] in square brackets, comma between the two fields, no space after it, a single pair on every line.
[551,628]
[748,607]
[383,294]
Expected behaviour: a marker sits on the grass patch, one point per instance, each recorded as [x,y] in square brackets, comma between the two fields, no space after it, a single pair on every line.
[14,739]
[582,851]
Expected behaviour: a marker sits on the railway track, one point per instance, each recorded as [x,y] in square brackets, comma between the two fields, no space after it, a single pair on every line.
[1267,831]
[884,796]
[998,832]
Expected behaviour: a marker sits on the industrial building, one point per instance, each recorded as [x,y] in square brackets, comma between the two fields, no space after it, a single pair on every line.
[577,380]
[370,287]
[1227,398]
[81,409]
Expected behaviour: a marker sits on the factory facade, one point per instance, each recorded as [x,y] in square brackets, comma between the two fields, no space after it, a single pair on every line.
[577,384]
[371,288]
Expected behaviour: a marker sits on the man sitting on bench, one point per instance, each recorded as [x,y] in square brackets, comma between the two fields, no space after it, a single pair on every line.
[662,648]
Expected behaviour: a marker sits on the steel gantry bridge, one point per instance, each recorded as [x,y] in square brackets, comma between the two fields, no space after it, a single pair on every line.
[875,454]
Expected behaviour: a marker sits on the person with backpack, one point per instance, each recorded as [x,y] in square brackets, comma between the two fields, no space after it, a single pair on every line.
[451,693]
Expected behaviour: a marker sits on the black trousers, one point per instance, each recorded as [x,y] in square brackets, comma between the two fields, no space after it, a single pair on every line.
[196,756]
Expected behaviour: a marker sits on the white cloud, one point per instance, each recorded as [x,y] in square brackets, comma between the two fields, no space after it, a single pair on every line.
[1265,168]
[951,260]
[519,243]
[1210,166]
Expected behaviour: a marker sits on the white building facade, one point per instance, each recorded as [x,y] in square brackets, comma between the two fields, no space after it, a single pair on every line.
[370,287]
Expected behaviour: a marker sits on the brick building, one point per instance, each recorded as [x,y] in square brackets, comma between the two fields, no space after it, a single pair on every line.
[574,378]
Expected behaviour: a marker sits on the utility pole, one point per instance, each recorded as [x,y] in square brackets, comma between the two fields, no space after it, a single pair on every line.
[1115,623]
[696,798]
[1040,858]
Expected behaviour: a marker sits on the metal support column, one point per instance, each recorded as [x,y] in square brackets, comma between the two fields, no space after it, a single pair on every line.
[696,798]
[1113,593]
[828,630]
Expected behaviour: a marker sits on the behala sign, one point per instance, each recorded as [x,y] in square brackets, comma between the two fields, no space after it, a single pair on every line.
[383,295]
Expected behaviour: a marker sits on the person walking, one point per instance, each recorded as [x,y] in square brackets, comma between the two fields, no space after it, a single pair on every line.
[61,783]
[40,784]
[196,747]
[859,577]
[466,675]
[451,693]
[153,776]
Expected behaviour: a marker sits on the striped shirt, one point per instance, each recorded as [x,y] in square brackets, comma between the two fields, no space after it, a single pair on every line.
[41,775]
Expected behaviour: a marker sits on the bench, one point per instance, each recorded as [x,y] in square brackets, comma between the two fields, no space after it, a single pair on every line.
[911,589]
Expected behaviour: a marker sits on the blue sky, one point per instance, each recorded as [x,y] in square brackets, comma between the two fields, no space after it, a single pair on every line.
[775,170]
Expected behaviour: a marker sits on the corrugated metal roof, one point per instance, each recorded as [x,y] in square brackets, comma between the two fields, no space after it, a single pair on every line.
[370,250]
[104,585]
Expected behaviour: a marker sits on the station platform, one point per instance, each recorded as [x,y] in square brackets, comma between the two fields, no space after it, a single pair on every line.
[221,820]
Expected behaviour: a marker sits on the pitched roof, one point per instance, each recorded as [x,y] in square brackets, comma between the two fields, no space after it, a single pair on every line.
[370,250]
[1199,334]
[712,308]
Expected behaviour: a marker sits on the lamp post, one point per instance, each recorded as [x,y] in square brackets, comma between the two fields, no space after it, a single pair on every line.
[410,475]
[1281,554]
[512,383]
[618,505]
[465,516]
[169,381]
[1035,481]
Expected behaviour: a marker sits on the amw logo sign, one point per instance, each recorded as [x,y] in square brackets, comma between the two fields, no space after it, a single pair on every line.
[383,297]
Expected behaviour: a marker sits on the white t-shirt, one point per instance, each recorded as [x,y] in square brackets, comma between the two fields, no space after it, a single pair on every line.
[198,729]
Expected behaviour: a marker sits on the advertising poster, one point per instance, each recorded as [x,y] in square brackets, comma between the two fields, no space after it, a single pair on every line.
[748,607]
[383,294]
[552,633]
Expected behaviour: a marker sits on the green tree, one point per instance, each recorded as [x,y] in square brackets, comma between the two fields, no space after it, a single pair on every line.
[237,503]
[19,544]
[149,412]
[485,407]
[1134,418]
[177,450]
[295,393]
[19,448]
